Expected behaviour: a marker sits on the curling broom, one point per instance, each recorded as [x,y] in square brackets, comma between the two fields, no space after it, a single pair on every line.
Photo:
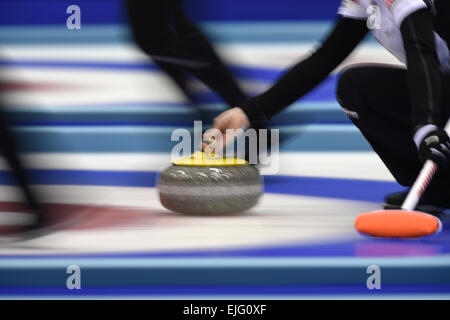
[404,223]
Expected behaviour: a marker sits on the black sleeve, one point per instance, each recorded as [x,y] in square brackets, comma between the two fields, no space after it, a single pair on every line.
[423,75]
[307,74]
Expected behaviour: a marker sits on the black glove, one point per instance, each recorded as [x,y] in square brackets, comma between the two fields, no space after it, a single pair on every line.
[433,144]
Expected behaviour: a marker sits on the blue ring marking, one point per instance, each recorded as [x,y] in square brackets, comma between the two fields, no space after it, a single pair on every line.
[162,106]
[243,32]
[417,247]
[259,73]
[325,91]
[403,296]
[311,137]
[232,290]
[220,32]
[91,178]
[246,272]
[58,261]
[79,65]
[90,123]
[115,123]
[350,189]
[311,112]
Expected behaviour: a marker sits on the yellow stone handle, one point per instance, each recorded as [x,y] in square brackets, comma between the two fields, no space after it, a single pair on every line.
[202,159]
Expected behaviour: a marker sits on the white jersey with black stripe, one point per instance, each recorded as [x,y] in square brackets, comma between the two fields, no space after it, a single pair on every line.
[386,16]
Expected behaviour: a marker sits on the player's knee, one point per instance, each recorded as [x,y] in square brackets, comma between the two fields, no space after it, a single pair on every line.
[347,92]
[346,88]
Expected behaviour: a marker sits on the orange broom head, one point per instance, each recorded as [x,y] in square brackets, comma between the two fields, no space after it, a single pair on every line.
[397,224]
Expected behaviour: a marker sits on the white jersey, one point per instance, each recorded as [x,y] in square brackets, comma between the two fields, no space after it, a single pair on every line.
[391,14]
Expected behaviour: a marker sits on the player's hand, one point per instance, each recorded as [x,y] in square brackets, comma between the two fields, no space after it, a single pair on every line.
[234,119]
[433,144]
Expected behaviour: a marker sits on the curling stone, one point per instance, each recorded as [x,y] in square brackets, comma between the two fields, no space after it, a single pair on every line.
[204,184]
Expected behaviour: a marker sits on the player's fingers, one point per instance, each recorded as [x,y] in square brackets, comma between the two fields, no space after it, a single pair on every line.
[207,136]
[212,140]
[211,134]
[221,121]
[216,123]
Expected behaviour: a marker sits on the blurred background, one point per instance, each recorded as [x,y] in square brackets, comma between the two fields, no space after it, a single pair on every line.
[94,115]
[57,77]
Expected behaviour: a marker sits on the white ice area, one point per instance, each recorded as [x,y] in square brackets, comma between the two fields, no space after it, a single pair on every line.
[349,165]
[99,86]
[276,220]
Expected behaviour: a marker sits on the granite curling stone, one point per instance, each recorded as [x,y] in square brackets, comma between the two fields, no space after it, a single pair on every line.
[209,185]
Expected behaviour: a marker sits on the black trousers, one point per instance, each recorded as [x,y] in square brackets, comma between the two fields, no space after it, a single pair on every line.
[163,31]
[8,148]
[376,99]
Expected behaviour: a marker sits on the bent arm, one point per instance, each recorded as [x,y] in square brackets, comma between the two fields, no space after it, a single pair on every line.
[307,74]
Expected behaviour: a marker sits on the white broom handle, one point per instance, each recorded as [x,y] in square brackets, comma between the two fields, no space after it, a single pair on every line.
[419,187]
[423,180]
